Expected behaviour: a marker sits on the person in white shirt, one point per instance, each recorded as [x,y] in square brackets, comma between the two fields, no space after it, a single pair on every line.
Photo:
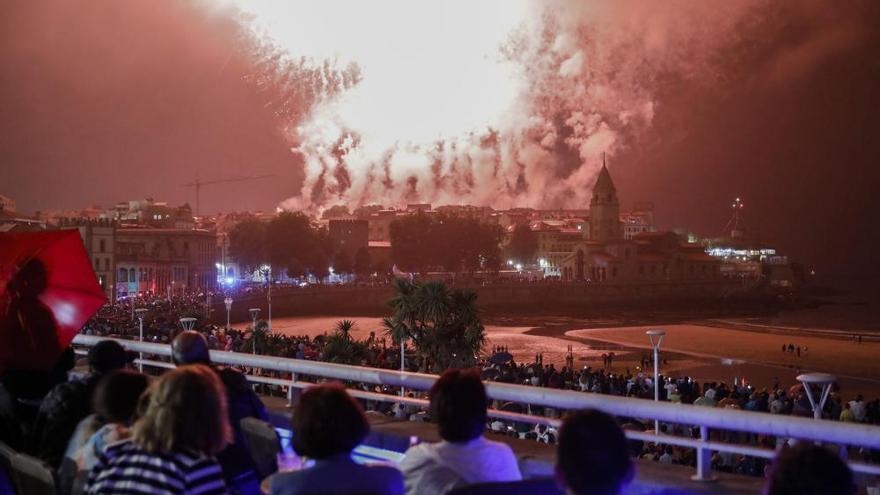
[464,456]
[857,407]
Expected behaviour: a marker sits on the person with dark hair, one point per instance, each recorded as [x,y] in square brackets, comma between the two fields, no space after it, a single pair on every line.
[114,402]
[191,347]
[69,402]
[809,469]
[22,392]
[172,446]
[327,425]
[464,456]
[592,457]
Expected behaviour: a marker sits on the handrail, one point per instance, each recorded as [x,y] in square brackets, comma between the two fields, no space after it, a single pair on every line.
[852,434]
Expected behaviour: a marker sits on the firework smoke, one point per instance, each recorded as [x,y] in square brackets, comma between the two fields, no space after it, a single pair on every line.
[506,104]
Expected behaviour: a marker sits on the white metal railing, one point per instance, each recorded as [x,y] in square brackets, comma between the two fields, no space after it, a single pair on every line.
[706,418]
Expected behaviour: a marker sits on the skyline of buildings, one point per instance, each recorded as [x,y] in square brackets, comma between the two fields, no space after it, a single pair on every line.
[145,245]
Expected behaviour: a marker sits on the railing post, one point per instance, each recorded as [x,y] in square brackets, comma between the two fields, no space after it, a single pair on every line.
[704,459]
[291,391]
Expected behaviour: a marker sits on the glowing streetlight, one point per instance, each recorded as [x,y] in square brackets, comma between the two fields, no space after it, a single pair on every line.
[140,316]
[656,337]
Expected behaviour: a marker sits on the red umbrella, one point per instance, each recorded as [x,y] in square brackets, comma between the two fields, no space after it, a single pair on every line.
[48,290]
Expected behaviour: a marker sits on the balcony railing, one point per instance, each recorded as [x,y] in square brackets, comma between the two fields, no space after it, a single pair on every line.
[704,418]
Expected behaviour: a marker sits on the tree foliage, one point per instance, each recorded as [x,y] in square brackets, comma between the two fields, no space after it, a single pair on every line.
[289,240]
[442,324]
[523,244]
[362,262]
[445,242]
[342,348]
[342,262]
[247,243]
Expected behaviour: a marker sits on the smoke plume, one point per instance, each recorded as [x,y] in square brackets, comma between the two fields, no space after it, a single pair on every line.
[576,79]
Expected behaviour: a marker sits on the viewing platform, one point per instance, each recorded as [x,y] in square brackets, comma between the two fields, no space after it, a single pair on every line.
[391,437]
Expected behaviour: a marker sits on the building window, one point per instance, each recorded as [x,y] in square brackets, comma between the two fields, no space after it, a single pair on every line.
[131,275]
[102,246]
[123,275]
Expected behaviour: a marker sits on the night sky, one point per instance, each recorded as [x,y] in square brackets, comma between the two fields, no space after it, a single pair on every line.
[106,101]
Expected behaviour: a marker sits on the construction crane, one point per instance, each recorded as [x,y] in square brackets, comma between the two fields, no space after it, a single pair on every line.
[198,184]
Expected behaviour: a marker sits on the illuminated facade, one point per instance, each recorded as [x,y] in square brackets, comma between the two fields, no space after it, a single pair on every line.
[160,261]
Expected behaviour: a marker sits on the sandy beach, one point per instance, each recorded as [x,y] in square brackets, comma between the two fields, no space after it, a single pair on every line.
[707,350]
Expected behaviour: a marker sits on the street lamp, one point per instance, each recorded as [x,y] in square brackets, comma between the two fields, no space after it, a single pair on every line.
[228,302]
[266,271]
[188,323]
[255,312]
[656,337]
[824,382]
[140,316]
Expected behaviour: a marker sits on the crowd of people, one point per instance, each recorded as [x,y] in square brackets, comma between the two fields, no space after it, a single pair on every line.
[115,431]
[40,415]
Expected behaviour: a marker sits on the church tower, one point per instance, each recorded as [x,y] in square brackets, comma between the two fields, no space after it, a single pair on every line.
[604,208]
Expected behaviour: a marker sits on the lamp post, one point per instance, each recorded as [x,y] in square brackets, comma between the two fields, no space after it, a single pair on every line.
[188,323]
[140,316]
[255,312]
[267,271]
[824,382]
[402,362]
[228,302]
[656,337]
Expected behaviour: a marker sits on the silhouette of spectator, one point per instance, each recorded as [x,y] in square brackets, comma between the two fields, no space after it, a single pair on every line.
[328,425]
[22,392]
[592,457]
[28,326]
[191,347]
[69,402]
[808,469]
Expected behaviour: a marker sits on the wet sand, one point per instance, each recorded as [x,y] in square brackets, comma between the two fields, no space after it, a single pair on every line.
[706,350]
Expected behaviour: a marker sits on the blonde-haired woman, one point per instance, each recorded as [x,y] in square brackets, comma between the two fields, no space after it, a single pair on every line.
[172,446]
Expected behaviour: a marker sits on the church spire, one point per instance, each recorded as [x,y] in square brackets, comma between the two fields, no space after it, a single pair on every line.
[604,208]
[604,184]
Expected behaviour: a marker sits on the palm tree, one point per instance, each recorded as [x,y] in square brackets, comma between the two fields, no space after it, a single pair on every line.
[344,327]
[443,324]
[342,348]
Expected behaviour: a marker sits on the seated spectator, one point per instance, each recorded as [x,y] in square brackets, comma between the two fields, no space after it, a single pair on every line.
[115,401]
[327,425]
[191,347]
[115,405]
[69,402]
[809,469]
[21,394]
[172,446]
[592,457]
[464,456]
